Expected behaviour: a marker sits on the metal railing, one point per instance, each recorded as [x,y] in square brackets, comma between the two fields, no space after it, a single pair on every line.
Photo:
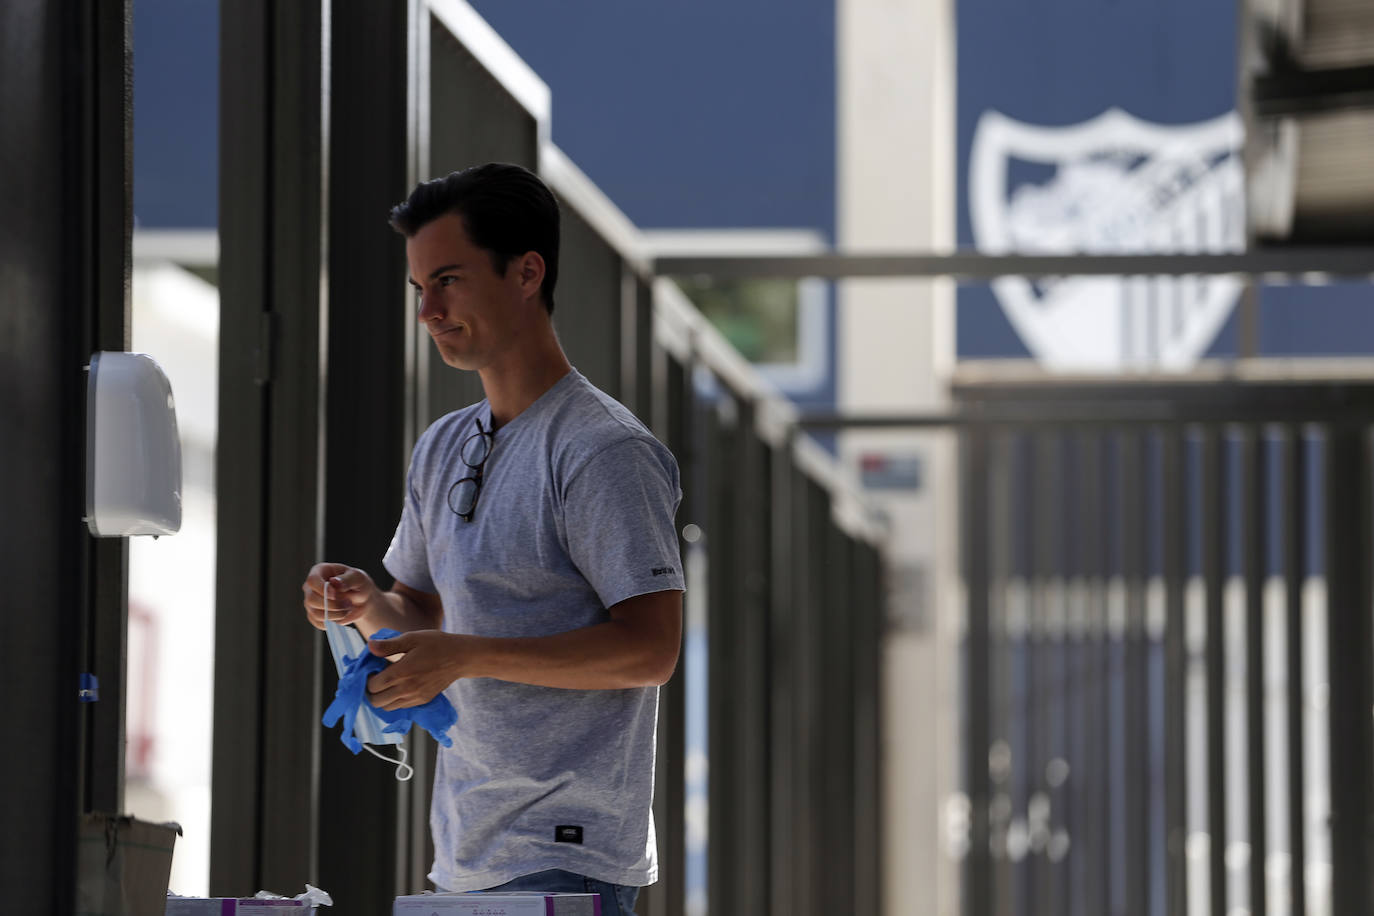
[1167,647]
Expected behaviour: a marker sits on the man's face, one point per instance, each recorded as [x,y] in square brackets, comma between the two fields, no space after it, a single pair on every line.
[474,314]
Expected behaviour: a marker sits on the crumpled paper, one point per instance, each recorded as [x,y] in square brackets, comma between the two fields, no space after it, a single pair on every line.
[312,895]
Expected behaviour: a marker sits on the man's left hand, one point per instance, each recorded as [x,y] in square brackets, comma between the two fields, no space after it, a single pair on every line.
[428,664]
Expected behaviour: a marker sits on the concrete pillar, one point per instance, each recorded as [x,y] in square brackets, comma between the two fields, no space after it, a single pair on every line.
[895,69]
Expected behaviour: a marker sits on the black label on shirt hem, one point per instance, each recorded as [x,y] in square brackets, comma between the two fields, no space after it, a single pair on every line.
[567,833]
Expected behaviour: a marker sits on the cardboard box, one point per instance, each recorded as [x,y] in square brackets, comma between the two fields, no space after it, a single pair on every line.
[122,865]
[514,903]
[236,906]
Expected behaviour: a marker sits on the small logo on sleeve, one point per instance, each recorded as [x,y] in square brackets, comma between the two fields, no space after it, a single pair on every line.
[567,833]
[662,570]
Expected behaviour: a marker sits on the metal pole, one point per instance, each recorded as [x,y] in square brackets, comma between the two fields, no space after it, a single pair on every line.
[1175,678]
[1098,888]
[974,484]
[1136,829]
[369,153]
[1300,262]
[724,662]
[869,616]
[1002,714]
[1256,476]
[1295,576]
[673,411]
[263,818]
[782,698]
[1214,534]
[750,740]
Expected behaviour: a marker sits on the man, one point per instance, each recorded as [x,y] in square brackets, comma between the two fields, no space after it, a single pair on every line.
[537,577]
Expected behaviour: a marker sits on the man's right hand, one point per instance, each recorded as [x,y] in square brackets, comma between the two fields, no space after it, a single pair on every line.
[347,593]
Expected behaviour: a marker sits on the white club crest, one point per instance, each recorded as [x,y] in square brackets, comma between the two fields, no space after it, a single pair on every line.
[1111,185]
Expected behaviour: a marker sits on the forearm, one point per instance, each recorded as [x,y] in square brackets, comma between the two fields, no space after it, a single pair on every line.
[605,656]
[637,647]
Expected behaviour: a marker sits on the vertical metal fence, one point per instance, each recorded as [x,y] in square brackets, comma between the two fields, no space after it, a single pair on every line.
[794,609]
[1167,652]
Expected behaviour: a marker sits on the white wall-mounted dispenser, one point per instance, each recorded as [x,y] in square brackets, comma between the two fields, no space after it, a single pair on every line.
[133,454]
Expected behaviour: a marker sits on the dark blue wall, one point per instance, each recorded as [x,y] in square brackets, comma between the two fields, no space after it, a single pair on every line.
[176,114]
[717,113]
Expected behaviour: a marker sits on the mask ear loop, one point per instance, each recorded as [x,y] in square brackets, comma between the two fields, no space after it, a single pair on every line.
[404,771]
[401,765]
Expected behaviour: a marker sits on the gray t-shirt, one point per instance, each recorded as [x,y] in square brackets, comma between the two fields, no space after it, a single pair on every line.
[575,514]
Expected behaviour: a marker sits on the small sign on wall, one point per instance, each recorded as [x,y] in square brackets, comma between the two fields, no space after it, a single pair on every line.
[890,470]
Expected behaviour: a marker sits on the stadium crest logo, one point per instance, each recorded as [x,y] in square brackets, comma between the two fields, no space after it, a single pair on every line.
[1111,185]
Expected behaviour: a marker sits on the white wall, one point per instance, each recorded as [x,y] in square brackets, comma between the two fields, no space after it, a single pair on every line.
[896,350]
[172,579]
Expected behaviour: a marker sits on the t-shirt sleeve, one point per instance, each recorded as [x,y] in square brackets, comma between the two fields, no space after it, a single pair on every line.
[619,514]
[407,558]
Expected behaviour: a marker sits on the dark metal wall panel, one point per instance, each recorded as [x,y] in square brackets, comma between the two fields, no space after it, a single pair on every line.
[267,680]
[750,744]
[837,748]
[290,653]
[240,482]
[671,415]
[723,662]
[638,373]
[588,314]
[867,728]
[1002,671]
[1071,802]
[473,120]
[1083,802]
[808,684]
[1213,498]
[1135,830]
[106,192]
[1256,487]
[1294,490]
[1175,677]
[738,811]
[782,701]
[1015,664]
[793,804]
[1047,644]
[366,448]
[974,486]
[64,263]
[1102,780]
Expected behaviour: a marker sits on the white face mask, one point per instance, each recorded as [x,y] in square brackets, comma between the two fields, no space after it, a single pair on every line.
[367,727]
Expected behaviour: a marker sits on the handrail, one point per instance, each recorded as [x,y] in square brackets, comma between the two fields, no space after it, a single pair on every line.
[500,60]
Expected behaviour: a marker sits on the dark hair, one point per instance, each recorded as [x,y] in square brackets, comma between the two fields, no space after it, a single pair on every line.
[505,210]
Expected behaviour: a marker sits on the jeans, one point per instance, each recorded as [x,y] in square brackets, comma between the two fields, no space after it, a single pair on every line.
[616,899]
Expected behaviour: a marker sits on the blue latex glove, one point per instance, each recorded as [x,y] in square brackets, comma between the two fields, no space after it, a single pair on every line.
[436,717]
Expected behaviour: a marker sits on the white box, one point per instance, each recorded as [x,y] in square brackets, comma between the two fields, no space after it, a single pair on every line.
[236,906]
[512,903]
